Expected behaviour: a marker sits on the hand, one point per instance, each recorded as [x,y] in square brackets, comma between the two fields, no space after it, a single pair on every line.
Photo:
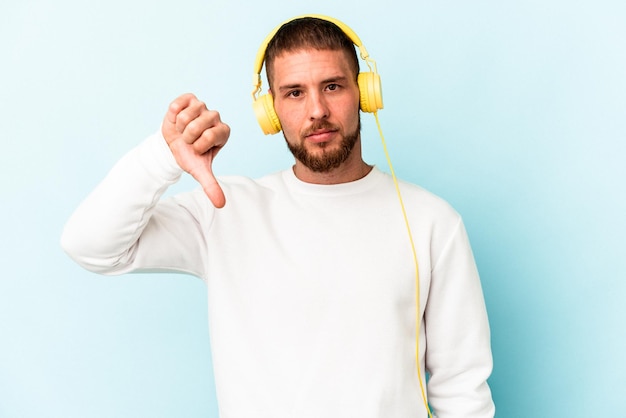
[195,134]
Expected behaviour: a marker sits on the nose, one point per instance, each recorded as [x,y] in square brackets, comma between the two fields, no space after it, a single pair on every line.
[318,108]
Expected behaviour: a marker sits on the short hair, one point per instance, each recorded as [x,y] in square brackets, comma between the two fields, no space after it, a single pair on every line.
[309,33]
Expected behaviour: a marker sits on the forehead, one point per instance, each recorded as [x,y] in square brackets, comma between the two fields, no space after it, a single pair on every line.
[310,63]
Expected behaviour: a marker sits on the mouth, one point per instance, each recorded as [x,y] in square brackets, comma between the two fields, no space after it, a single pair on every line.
[320,135]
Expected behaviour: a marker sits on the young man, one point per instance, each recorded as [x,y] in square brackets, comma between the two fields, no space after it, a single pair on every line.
[310,276]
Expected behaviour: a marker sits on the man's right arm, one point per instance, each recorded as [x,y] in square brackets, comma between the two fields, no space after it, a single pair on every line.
[103,235]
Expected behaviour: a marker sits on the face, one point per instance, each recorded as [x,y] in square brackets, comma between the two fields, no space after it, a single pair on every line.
[316,98]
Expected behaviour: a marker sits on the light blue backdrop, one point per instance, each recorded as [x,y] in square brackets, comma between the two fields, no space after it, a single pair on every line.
[515,112]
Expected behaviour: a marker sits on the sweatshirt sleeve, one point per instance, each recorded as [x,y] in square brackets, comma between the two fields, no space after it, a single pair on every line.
[123,225]
[459,356]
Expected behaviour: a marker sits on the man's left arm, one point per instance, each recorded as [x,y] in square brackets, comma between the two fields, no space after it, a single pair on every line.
[458,355]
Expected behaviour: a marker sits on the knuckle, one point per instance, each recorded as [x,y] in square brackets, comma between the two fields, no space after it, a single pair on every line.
[208,137]
[214,115]
[188,96]
[184,118]
[225,134]
[194,128]
[197,104]
[203,143]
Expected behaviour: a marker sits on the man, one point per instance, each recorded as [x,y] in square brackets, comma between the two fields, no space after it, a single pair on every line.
[311,284]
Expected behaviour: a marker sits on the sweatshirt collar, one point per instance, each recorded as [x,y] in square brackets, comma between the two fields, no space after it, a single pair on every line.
[354,187]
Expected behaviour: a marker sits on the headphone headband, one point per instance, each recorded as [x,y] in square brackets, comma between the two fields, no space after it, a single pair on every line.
[260,56]
[370,94]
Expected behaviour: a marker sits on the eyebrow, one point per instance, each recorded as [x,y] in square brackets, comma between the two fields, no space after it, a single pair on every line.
[335,79]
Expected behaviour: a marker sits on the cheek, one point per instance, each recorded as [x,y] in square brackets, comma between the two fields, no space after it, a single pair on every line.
[354,117]
[289,119]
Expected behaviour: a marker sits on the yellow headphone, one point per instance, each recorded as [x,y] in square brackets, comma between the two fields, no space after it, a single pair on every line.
[370,91]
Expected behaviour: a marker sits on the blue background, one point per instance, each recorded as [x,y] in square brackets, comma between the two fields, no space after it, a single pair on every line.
[515,112]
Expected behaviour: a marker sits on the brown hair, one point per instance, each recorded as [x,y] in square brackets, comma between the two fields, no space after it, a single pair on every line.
[309,33]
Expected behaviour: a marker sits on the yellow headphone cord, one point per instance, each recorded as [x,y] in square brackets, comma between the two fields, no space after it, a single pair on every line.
[417,279]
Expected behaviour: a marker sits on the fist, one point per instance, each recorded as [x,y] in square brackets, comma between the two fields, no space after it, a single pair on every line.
[195,134]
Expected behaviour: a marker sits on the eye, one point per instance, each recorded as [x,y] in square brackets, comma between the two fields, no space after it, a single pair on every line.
[294,93]
[332,87]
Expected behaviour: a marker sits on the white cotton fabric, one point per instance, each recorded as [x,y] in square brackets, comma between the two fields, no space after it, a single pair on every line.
[311,288]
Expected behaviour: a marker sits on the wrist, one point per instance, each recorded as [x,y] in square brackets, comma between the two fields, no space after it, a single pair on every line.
[157,157]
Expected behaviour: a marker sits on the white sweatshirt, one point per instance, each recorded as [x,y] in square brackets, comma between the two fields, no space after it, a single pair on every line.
[311,288]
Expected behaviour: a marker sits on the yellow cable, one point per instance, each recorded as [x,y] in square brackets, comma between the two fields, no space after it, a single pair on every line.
[417,279]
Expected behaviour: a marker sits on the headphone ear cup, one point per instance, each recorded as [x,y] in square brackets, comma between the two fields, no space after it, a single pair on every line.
[266,114]
[371,93]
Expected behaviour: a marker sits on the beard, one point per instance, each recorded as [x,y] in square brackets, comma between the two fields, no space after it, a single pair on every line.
[327,159]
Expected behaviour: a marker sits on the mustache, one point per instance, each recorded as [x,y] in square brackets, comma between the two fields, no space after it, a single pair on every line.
[318,126]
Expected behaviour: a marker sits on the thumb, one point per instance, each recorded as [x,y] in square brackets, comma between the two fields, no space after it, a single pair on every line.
[215,193]
[204,175]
